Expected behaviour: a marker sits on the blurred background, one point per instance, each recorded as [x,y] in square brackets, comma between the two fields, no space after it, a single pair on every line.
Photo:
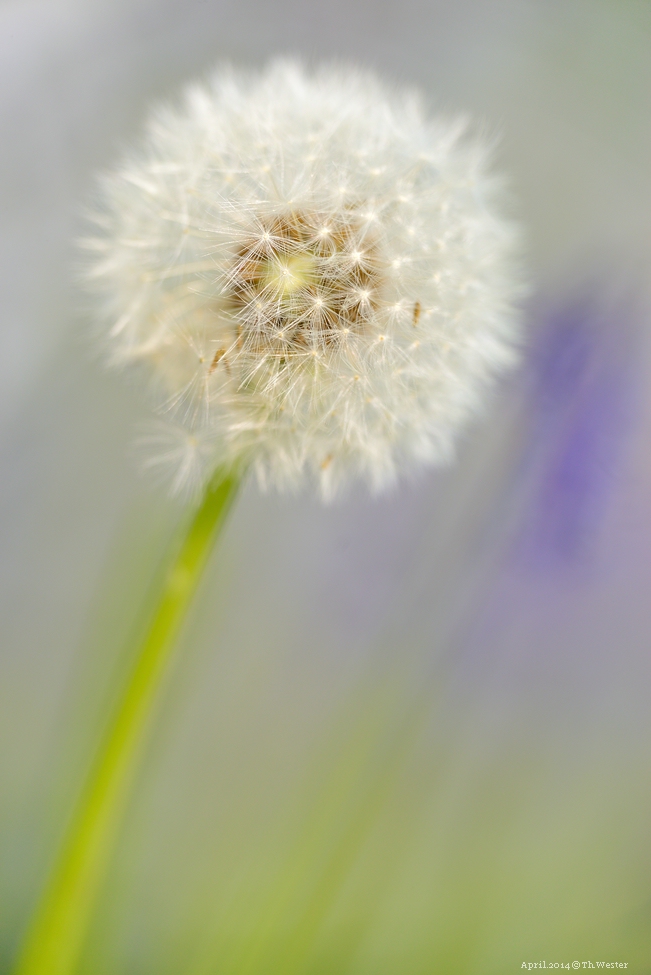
[408,734]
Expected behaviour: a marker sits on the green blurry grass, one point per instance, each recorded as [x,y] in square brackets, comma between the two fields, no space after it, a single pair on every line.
[412,844]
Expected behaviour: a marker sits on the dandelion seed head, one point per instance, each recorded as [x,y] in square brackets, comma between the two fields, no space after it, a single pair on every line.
[315,278]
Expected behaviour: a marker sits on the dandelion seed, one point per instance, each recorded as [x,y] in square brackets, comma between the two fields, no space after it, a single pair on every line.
[296,227]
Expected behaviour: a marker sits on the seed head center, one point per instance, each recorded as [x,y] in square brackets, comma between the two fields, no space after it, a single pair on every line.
[287,274]
[294,288]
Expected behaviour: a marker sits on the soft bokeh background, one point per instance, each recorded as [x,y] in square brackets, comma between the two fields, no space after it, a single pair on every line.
[409,734]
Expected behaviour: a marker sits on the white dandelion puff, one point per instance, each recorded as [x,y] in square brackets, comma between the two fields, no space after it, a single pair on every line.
[315,277]
[177,456]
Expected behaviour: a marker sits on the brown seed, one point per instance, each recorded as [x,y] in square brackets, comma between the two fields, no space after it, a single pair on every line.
[216,359]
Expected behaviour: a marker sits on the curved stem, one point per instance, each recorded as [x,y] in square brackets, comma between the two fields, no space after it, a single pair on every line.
[55,938]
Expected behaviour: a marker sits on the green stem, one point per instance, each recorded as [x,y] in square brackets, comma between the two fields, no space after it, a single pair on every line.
[55,938]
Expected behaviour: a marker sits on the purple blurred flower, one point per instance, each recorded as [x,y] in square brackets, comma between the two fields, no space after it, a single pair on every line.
[581,390]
